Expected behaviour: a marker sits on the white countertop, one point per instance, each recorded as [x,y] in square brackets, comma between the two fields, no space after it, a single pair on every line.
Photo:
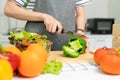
[80,68]
[76,71]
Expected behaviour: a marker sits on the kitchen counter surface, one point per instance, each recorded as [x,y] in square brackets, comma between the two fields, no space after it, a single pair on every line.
[80,68]
[58,55]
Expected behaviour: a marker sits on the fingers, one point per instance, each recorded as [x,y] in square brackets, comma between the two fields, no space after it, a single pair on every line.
[53,27]
[56,28]
[52,24]
[87,49]
[59,27]
[87,45]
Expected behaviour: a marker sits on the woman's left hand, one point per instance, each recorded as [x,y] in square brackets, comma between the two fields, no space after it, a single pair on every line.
[86,39]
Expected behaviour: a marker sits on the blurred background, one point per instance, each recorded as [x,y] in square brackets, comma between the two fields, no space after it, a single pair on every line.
[95,9]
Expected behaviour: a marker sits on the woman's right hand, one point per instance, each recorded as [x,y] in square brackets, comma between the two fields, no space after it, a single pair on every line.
[52,24]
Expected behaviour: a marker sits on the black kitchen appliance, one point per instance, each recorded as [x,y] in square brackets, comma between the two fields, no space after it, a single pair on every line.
[100,25]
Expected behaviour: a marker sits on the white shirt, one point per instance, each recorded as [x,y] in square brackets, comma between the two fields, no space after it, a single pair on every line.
[30,5]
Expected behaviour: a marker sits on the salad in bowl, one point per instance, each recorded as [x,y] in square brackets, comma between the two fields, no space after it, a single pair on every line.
[23,39]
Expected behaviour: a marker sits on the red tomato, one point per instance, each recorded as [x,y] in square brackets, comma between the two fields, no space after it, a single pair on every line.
[102,51]
[25,38]
[110,63]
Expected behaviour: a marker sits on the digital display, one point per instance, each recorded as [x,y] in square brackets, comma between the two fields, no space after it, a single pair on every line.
[104,25]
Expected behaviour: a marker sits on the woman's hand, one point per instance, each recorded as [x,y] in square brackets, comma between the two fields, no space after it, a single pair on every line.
[86,39]
[52,24]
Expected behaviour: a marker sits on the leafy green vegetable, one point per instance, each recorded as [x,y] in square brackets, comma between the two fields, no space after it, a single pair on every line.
[16,35]
[44,44]
[23,39]
[26,34]
[52,67]
[2,49]
[118,49]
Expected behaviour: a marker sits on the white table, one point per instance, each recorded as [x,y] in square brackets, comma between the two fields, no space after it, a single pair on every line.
[81,68]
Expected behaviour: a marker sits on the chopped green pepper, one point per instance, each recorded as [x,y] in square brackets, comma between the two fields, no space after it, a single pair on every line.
[75,47]
[68,51]
[81,44]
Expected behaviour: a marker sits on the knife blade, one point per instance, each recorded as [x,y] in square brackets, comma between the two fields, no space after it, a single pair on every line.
[69,33]
[72,34]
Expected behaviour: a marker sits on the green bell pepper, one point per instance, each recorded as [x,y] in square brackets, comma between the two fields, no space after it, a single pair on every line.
[79,44]
[75,47]
[68,51]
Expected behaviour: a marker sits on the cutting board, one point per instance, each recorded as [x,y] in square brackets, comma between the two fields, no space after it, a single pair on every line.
[58,55]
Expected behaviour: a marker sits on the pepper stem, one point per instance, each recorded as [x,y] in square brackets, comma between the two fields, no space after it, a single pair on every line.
[1,48]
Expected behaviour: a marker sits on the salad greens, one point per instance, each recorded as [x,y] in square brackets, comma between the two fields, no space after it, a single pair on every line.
[23,33]
[23,39]
[53,67]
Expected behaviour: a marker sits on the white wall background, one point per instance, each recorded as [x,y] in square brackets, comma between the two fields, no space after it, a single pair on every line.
[7,23]
[114,9]
[103,9]
[94,9]
[3,19]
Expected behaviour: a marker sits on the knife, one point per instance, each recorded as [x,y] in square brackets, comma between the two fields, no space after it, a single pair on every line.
[72,34]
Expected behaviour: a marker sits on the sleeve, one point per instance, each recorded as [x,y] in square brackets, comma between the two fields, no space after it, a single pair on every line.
[81,2]
[20,2]
[27,4]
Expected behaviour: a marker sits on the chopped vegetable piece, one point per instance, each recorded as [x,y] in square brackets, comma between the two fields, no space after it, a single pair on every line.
[75,45]
[68,51]
[52,67]
[81,46]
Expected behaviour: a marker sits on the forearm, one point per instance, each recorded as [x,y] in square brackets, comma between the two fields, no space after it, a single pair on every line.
[13,10]
[80,20]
